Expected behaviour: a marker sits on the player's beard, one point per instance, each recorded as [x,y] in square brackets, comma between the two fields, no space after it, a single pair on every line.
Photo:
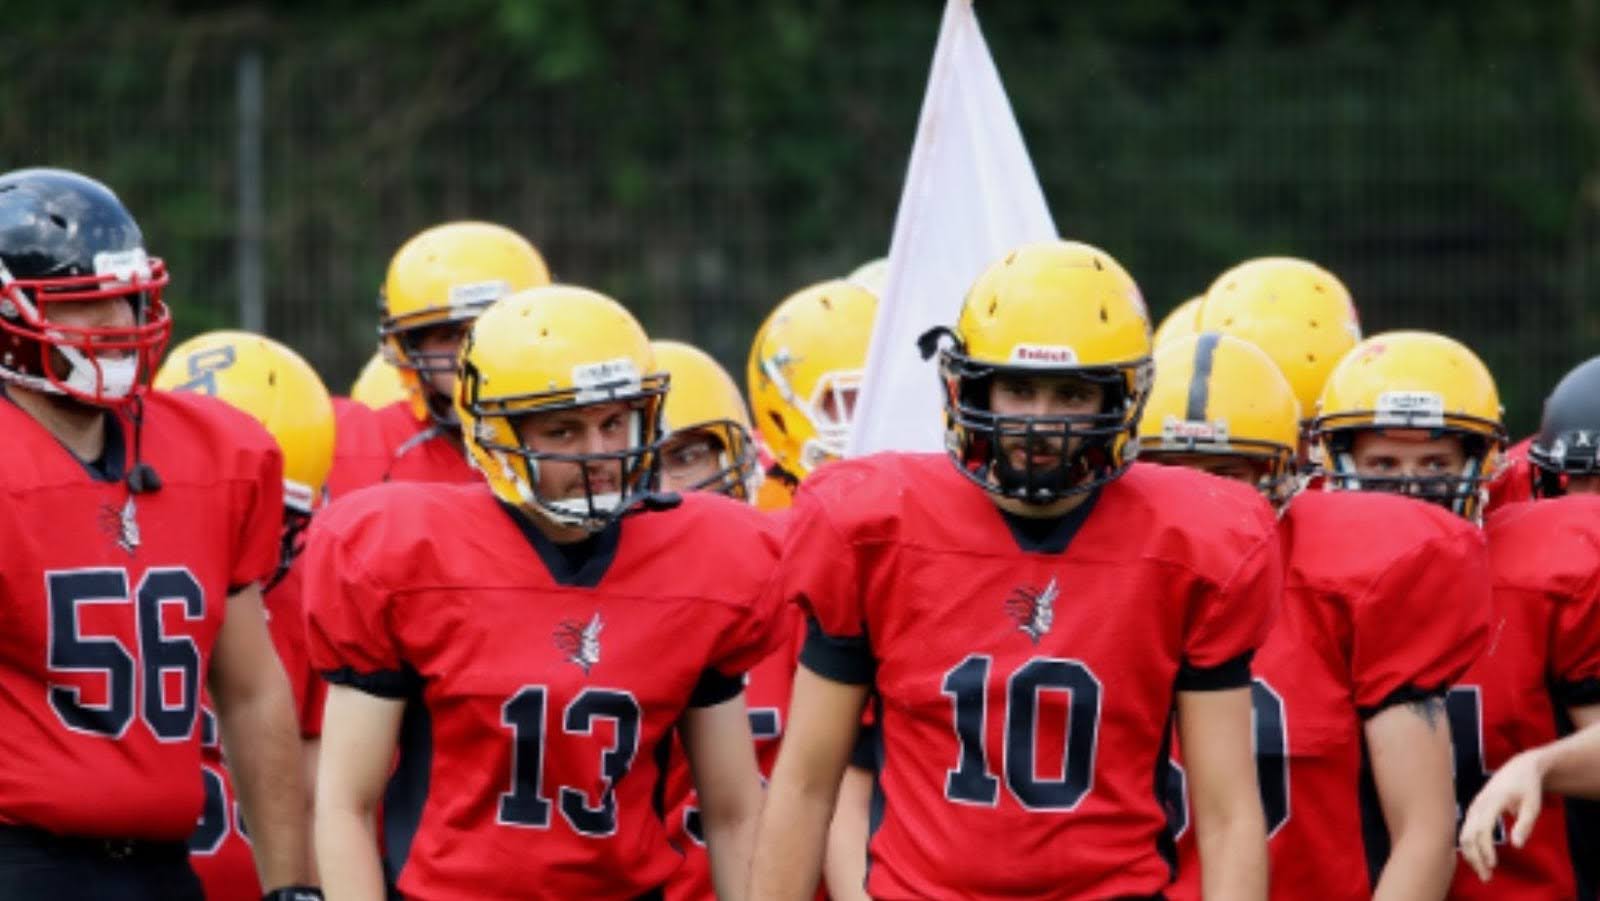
[1052,476]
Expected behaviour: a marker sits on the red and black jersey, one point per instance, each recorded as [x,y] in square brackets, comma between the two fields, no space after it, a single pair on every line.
[549,679]
[219,850]
[1026,670]
[1385,601]
[1514,482]
[766,695]
[1543,655]
[112,602]
[392,445]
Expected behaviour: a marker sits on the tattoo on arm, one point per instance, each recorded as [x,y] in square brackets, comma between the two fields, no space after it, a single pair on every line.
[1431,710]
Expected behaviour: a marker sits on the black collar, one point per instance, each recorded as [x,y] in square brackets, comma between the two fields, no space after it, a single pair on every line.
[1049,535]
[579,564]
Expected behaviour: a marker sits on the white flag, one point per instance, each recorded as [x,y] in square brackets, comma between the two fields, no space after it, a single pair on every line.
[970,196]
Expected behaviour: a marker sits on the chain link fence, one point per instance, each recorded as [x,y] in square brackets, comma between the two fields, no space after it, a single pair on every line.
[1447,190]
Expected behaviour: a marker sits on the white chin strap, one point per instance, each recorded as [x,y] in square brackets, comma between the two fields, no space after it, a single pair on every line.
[111,377]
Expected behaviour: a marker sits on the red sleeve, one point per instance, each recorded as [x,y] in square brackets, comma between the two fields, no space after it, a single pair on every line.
[1422,622]
[819,568]
[258,498]
[752,635]
[1232,619]
[347,633]
[288,627]
[819,572]
[1575,640]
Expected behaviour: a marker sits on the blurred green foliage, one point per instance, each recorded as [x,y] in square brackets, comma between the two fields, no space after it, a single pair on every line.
[700,160]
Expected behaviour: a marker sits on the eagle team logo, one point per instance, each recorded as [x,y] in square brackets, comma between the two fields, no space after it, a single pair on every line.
[581,643]
[1033,611]
[121,525]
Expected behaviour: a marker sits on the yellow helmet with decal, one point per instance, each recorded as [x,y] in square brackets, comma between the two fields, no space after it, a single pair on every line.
[554,348]
[1054,308]
[1183,321]
[448,274]
[1413,381]
[274,385]
[872,275]
[704,398]
[1300,314]
[805,369]
[378,385]
[1216,396]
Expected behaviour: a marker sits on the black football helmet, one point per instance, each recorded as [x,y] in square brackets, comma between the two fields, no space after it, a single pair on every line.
[1569,436]
[66,239]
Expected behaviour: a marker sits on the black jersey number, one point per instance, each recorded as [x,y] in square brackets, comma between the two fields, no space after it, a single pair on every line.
[526,804]
[973,782]
[166,667]
[1271,740]
[1464,706]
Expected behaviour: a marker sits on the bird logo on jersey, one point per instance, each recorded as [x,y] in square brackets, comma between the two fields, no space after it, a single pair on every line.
[581,643]
[1033,611]
[120,525]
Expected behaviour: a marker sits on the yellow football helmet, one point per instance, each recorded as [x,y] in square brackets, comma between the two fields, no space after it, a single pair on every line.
[1219,396]
[555,348]
[378,385]
[1051,308]
[704,398]
[1300,314]
[1413,381]
[274,385]
[447,274]
[1183,321]
[805,369]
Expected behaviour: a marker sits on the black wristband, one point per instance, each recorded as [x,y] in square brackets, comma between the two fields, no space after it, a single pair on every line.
[294,893]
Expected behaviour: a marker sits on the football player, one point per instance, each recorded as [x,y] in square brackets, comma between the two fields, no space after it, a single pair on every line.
[554,640]
[437,283]
[1029,617]
[1340,679]
[280,390]
[804,370]
[1418,414]
[707,447]
[137,530]
[1545,670]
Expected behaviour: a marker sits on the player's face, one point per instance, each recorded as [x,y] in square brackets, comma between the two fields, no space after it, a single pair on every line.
[1407,453]
[106,312]
[441,341]
[1041,395]
[1228,466]
[689,459]
[1583,484]
[593,429]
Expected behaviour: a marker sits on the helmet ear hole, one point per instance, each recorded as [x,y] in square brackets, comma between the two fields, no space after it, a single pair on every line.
[777,421]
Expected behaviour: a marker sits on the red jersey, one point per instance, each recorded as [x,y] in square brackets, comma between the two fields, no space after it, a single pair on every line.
[392,445]
[1514,482]
[112,602]
[1385,601]
[1544,653]
[1025,679]
[219,850]
[550,682]
[766,694]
